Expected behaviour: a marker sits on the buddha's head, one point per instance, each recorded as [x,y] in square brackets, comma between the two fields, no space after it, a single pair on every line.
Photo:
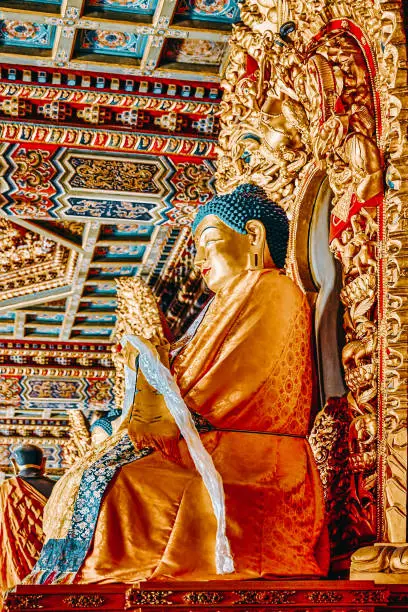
[28,458]
[242,230]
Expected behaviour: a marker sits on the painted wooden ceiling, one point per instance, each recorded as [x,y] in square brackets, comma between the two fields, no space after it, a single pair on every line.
[108,130]
[164,38]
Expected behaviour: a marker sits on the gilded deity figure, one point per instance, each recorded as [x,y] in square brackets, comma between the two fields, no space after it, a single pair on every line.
[240,500]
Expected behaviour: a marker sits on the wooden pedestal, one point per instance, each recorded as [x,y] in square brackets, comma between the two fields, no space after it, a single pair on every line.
[298,595]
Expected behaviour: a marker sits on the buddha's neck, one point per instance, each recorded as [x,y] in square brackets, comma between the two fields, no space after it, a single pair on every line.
[234,283]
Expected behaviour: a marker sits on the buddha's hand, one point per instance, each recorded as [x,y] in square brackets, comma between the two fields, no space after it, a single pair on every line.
[127,354]
[163,350]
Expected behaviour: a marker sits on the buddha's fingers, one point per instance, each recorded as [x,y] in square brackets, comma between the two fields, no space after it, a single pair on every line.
[128,356]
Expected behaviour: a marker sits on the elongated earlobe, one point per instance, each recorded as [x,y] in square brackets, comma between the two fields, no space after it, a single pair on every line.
[257,237]
[256,260]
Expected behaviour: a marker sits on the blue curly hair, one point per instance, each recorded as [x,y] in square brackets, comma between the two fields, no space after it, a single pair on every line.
[249,202]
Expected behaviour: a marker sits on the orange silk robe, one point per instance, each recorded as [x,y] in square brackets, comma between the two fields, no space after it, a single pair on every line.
[21,535]
[247,368]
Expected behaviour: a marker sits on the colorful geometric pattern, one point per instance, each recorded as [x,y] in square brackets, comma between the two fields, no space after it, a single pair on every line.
[152,190]
[111,43]
[10,389]
[32,176]
[194,51]
[129,232]
[57,395]
[46,389]
[122,252]
[26,34]
[145,7]
[194,186]
[209,10]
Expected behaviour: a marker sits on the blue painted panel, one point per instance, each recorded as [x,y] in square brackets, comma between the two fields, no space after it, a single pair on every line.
[111,209]
[128,231]
[222,11]
[25,34]
[6,329]
[7,316]
[98,306]
[143,7]
[102,319]
[46,318]
[111,43]
[122,252]
[100,290]
[113,272]
[41,331]
[102,333]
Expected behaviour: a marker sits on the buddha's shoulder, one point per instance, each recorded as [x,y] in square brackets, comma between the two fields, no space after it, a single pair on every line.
[275,302]
[275,287]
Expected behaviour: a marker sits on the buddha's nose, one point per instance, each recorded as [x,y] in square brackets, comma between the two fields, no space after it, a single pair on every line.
[199,258]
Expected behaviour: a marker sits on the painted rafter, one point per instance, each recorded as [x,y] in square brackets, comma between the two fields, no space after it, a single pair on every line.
[19,131]
[89,241]
[82,95]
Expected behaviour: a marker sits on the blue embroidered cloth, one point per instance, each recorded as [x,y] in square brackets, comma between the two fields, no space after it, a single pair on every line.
[60,560]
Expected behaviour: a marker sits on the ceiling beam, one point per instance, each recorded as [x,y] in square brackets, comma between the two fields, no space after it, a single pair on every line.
[90,238]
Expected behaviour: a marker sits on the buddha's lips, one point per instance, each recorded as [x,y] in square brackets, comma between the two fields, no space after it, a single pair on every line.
[205,271]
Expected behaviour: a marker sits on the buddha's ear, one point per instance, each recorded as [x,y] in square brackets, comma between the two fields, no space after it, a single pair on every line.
[257,241]
[256,232]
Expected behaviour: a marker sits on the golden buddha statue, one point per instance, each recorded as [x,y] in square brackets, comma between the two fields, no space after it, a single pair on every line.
[141,505]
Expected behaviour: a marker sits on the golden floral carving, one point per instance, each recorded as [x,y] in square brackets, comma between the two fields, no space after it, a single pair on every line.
[271,597]
[19,602]
[203,597]
[92,600]
[108,174]
[323,597]
[134,598]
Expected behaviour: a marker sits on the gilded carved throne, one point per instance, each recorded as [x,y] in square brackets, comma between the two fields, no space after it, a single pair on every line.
[312,112]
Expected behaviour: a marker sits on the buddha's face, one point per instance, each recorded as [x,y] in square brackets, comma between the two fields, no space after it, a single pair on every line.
[222,253]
